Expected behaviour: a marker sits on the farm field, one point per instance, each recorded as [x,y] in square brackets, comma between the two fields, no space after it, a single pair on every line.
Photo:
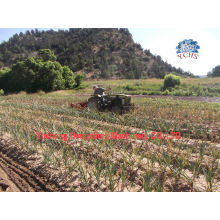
[189,87]
[190,163]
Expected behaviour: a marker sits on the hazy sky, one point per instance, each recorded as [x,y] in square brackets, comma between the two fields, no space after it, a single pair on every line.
[163,42]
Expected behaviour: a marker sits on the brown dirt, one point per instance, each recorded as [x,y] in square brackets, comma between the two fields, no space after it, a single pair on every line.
[15,177]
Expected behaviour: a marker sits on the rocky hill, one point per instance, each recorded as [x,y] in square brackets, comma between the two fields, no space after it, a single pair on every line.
[100,53]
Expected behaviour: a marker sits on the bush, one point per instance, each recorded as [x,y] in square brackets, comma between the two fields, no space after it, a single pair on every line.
[130,87]
[2,92]
[170,81]
[78,79]
[166,92]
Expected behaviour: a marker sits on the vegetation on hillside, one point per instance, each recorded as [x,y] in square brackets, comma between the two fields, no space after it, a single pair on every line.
[98,52]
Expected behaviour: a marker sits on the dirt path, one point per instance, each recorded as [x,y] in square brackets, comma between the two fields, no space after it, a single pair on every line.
[15,177]
[185,98]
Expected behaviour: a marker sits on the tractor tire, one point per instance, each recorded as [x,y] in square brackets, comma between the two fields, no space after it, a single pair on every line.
[93,104]
[117,110]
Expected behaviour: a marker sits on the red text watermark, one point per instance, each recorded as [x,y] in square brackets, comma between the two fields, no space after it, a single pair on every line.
[113,135]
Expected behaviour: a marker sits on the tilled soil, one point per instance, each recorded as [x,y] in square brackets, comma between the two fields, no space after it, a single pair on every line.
[15,177]
[25,169]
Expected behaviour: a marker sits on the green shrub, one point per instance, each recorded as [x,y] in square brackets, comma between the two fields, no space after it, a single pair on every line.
[166,92]
[131,87]
[184,85]
[2,92]
[78,79]
[170,81]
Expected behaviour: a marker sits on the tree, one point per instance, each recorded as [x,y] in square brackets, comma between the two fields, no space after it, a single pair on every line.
[50,77]
[47,55]
[81,63]
[37,73]
[209,74]
[23,76]
[215,72]
[68,77]
[78,79]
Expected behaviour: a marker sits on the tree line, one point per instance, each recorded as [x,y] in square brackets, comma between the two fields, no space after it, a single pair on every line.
[42,72]
[215,72]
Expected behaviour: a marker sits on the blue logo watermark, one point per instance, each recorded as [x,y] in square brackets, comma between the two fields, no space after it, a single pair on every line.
[188,49]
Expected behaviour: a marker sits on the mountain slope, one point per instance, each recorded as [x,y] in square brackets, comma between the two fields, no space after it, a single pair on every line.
[100,53]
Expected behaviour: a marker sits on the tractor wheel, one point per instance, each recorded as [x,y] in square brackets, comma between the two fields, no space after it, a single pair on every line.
[93,104]
[116,110]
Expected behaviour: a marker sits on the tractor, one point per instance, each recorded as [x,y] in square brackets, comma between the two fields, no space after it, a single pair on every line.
[116,103]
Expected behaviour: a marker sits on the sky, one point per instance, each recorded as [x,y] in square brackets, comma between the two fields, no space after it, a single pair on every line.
[6,33]
[163,42]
